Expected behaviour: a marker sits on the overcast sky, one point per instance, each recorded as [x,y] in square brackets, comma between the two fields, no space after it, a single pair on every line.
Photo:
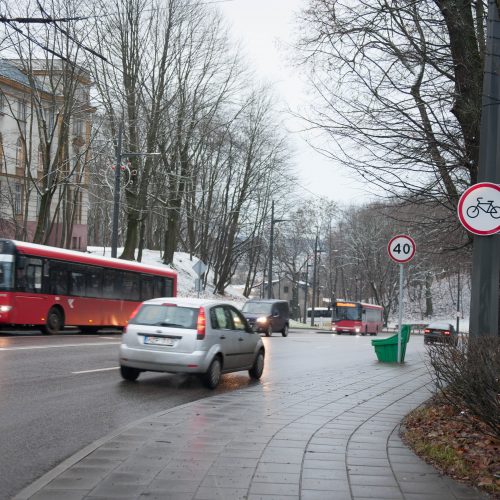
[266,29]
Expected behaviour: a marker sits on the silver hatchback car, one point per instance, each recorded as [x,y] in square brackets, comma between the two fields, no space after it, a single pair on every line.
[182,335]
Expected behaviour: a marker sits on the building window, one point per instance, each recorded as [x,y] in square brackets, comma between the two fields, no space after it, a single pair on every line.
[39,165]
[20,156]
[18,198]
[77,126]
[285,289]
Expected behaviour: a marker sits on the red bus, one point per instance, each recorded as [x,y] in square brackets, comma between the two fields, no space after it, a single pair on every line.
[52,287]
[357,317]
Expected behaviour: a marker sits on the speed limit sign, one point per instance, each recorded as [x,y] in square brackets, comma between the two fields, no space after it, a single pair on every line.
[401,248]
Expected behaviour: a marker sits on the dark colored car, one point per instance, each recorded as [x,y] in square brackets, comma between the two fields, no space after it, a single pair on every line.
[440,331]
[268,316]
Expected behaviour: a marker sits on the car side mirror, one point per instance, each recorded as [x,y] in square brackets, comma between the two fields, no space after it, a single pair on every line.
[276,315]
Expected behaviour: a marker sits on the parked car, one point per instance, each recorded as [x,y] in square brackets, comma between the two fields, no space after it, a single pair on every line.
[268,316]
[181,335]
[440,331]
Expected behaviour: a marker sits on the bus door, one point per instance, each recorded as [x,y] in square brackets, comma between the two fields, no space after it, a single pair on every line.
[29,302]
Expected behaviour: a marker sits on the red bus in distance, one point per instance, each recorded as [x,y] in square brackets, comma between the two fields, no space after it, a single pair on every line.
[357,318]
[52,287]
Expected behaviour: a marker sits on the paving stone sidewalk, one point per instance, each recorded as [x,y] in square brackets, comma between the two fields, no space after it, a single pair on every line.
[328,436]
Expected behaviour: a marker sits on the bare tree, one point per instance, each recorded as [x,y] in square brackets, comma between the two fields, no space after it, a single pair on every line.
[398,87]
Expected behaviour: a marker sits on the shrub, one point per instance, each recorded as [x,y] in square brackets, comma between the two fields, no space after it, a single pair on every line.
[468,375]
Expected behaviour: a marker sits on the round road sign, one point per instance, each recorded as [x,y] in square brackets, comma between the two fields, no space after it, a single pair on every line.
[401,248]
[479,208]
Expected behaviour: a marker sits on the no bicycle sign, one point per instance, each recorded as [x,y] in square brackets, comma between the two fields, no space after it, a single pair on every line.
[479,208]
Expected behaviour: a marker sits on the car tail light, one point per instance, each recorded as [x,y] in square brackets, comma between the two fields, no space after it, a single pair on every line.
[446,332]
[201,324]
[426,331]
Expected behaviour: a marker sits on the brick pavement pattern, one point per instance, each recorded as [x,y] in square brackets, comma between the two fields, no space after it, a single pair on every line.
[318,437]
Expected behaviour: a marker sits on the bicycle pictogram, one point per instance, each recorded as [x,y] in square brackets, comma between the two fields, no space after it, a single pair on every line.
[483,206]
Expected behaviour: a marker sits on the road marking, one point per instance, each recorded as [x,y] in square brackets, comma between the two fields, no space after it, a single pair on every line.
[97,370]
[56,346]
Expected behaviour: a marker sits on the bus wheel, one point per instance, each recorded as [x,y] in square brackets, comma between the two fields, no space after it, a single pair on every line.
[55,322]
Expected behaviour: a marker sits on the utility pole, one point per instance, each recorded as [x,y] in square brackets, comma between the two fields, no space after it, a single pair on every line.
[458,301]
[271,244]
[305,292]
[485,317]
[116,197]
[314,284]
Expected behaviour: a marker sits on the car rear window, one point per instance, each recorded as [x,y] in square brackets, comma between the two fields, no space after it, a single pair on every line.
[166,315]
[440,325]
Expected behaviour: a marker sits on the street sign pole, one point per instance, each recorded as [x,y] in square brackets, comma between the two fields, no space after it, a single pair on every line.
[484,314]
[401,298]
[401,249]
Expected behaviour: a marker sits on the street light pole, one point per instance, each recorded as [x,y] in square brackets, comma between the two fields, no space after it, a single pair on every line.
[116,197]
[271,244]
[314,291]
[305,292]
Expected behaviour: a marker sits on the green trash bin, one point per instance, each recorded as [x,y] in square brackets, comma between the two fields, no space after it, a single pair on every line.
[387,349]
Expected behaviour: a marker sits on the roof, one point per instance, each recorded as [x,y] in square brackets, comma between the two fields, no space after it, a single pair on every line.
[12,72]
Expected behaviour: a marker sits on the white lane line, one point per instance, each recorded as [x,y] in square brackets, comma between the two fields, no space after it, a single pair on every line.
[56,346]
[98,370]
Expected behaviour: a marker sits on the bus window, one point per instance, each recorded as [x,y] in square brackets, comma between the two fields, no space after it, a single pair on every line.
[77,285]
[147,287]
[58,279]
[112,283]
[33,275]
[6,265]
[130,286]
[93,278]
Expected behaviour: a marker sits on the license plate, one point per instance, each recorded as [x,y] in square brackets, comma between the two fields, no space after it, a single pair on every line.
[158,341]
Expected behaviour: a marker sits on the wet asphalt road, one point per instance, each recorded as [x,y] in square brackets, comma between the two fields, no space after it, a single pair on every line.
[59,394]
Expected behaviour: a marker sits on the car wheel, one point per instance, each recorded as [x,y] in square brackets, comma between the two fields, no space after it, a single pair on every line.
[129,373]
[284,332]
[212,376]
[269,331]
[258,366]
[55,322]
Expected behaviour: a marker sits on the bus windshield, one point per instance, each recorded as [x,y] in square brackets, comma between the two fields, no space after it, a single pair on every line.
[6,274]
[349,313]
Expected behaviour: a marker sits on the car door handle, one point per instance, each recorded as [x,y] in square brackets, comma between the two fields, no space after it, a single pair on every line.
[222,337]
[241,340]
